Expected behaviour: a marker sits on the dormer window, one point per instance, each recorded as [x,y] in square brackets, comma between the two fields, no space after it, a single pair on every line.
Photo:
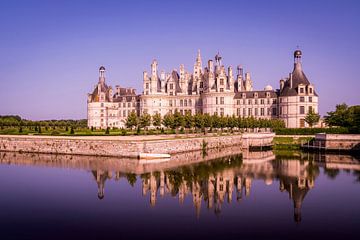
[310,90]
[267,94]
[301,90]
[221,81]
[255,95]
[171,86]
[243,95]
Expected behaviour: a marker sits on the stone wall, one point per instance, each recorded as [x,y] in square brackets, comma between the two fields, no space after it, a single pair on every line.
[338,141]
[126,147]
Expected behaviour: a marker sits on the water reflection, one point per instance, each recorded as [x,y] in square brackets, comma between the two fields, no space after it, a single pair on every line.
[210,180]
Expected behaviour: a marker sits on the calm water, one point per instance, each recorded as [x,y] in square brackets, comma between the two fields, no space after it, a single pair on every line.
[254,195]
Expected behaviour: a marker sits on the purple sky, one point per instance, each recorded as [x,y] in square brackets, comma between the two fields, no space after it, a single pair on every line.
[51,50]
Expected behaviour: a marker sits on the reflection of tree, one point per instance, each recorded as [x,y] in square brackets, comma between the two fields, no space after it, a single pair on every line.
[357,175]
[131,178]
[331,172]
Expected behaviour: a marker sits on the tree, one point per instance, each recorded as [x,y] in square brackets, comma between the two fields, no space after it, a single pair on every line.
[168,120]
[72,130]
[156,120]
[189,120]
[312,118]
[132,120]
[199,121]
[344,116]
[145,120]
[107,131]
[178,120]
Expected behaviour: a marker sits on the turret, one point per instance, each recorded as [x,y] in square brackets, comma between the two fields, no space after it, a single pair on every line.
[102,74]
[248,82]
[239,78]
[230,78]
[154,77]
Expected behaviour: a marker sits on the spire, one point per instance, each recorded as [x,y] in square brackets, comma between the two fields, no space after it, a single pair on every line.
[102,74]
[198,58]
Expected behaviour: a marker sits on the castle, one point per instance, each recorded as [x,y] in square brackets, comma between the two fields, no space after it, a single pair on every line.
[210,90]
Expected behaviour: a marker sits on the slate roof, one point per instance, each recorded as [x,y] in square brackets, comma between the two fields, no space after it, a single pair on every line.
[251,94]
[298,77]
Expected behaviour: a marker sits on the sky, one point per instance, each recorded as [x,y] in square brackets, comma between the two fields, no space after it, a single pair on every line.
[50,51]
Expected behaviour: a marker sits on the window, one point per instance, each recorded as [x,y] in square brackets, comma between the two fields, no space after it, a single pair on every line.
[302,110]
[181,103]
[244,111]
[256,101]
[221,81]
[102,105]
[302,123]
[302,99]
[310,108]
[217,102]
[243,95]
[129,104]
[256,112]
[170,103]
[221,111]
[238,102]
[201,84]
[185,103]
[301,90]
[274,100]
[281,112]
[221,100]
[147,93]
[190,102]
[274,111]
[147,86]
[249,111]
[262,112]
[171,86]
[221,89]
[124,113]
[124,104]
[262,101]
[238,111]
[171,93]
[310,99]
[310,90]
[268,101]
[249,101]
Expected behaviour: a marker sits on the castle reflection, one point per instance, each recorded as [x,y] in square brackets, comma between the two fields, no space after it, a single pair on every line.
[214,182]
[207,180]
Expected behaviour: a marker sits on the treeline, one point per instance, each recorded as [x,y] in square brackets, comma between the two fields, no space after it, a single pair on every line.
[199,121]
[346,117]
[17,121]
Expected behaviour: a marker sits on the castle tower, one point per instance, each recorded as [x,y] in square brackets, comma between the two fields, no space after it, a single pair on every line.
[239,78]
[154,77]
[102,74]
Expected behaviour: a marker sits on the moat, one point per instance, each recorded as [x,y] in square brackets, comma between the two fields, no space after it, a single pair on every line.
[272,195]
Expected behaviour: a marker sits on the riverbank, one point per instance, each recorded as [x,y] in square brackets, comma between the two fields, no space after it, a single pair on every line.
[131,146]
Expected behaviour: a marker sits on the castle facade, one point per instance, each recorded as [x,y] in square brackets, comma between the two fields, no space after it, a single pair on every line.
[209,90]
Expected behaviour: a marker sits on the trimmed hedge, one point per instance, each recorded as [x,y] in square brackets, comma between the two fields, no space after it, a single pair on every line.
[311,131]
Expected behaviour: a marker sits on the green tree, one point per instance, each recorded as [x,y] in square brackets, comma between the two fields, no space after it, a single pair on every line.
[72,130]
[107,131]
[178,120]
[199,121]
[312,118]
[145,120]
[156,120]
[132,120]
[168,120]
[189,120]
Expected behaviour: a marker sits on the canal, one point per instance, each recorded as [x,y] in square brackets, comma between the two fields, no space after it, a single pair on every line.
[250,195]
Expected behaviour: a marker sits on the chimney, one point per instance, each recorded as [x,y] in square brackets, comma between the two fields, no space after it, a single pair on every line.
[291,80]
[282,83]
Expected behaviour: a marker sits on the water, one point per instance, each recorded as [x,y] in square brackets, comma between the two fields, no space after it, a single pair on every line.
[286,195]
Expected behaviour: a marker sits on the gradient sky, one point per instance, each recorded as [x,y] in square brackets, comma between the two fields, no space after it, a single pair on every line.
[50,51]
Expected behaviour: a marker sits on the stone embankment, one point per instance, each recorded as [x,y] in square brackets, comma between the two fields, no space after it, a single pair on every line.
[130,146]
[334,142]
